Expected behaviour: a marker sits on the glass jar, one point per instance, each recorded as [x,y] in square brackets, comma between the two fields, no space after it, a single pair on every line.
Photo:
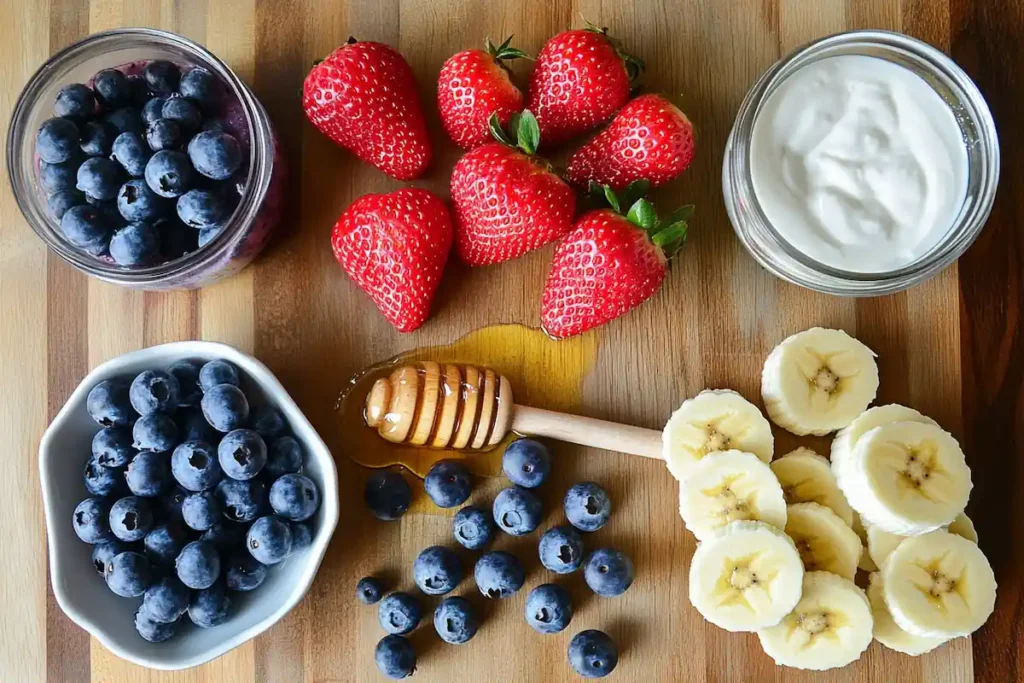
[955,88]
[261,197]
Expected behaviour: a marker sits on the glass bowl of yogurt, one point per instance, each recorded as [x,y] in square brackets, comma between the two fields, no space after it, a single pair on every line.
[254,193]
[861,164]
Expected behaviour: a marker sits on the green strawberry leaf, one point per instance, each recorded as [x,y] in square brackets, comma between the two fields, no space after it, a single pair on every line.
[612,198]
[528,132]
[511,53]
[498,132]
[683,213]
[642,213]
[634,191]
[508,41]
[671,238]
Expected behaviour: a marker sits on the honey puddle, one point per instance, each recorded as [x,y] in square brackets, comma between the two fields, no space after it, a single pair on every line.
[543,372]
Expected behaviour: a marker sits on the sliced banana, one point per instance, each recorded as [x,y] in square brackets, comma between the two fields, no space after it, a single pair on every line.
[908,478]
[818,381]
[866,563]
[847,437]
[882,543]
[746,576]
[830,626]
[939,585]
[826,543]
[730,487]
[714,420]
[888,632]
[806,477]
[963,527]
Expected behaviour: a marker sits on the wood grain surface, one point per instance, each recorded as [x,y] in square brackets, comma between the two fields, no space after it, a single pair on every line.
[951,348]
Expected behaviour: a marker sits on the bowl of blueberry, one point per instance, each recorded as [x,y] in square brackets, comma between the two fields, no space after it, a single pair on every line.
[189,503]
[142,159]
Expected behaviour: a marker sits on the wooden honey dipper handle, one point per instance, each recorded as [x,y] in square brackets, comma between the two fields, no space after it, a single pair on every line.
[453,406]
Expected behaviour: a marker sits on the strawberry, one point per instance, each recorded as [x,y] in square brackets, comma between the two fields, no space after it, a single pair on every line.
[394,246]
[508,201]
[582,77]
[608,265]
[648,139]
[473,85]
[363,96]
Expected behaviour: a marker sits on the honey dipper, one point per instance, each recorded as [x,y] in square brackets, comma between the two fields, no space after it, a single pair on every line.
[465,407]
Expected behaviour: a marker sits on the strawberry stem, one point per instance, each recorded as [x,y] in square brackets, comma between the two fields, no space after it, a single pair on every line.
[669,234]
[523,126]
[503,51]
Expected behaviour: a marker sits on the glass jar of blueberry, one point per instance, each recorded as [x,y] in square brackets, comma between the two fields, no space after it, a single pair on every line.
[142,159]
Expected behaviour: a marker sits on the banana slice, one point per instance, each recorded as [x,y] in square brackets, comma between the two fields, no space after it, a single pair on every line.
[848,436]
[866,563]
[745,577]
[818,381]
[806,477]
[881,543]
[830,626]
[908,478]
[939,585]
[824,540]
[730,487]
[963,527]
[714,420]
[888,632]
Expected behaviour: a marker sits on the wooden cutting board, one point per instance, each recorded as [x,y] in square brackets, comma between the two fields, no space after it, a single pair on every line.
[951,348]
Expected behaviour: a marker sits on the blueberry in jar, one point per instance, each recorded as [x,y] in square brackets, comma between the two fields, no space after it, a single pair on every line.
[103,553]
[112,88]
[100,480]
[136,244]
[132,153]
[169,173]
[108,403]
[99,177]
[198,565]
[200,511]
[136,202]
[587,506]
[592,654]
[244,573]
[57,140]
[241,453]
[517,511]
[214,154]
[58,177]
[90,521]
[294,497]
[448,483]
[152,630]
[473,527]
[209,607]
[166,600]
[526,463]
[455,620]
[162,76]
[269,539]
[226,409]
[187,373]
[218,372]
[163,543]
[86,227]
[182,112]
[561,549]
[202,208]
[499,574]
[399,613]
[268,422]
[126,120]
[176,238]
[548,608]
[284,456]
[147,474]
[242,500]
[60,202]
[97,138]
[387,495]
[207,235]
[200,86]
[194,465]
[369,590]
[75,101]
[139,91]
[153,110]
[395,657]
[437,570]
[164,134]
[128,574]
[608,572]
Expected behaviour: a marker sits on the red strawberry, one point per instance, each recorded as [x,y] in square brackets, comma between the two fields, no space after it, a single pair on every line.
[508,201]
[394,246]
[473,85]
[608,265]
[649,139]
[582,77]
[363,96]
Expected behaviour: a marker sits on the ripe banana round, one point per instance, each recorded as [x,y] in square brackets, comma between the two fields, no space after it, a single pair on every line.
[866,563]
[888,632]
[938,585]
[848,436]
[963,527]
[818,381]
[824,540]
[746,576]
[881,543]
[714,420]
[830,626]
[907,478]
[730,487]
[806,477]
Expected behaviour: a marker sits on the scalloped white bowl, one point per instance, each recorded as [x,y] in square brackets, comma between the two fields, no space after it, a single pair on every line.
[82,593]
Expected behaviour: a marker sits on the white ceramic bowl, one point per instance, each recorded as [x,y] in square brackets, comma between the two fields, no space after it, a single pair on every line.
[83,594]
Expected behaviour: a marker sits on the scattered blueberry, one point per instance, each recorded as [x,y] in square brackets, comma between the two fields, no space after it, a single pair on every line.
[162,76]
[200,86]
[194,466]
[75,101]
[103,553]
[131,519]
[127,120]
[100,178]
[148,474]
[217,372]
[269,539]
[163,543]
[112,446]
[284,456]
[58,203]
[112,88]
[302,537]
[198,565]
[592,654]
[395,657]
[608,572]
[202,510]
[165,600]
[499,574]
[100,480]
[561,549]
[473,527]
[227,409]
[526,463]
[225,535]
[164,134]
[241,453]
[132,153]
[90,521]
[97,138]
[182,112]
[153,110]
[57,140]
[192,426]
[85,226]
[587,506]
[136,244]
[387,495]
[151,630]
[206,235]
[155,432]
[169,173]
[517,511]
[243,500]
[202,208]
[215,154]
[455,620]
[58,177]
[244,572]
[128,574]
[294,496]
[170,503]
[448,483]
[437,570]
[548,608]
[136,202]
[399,613]
[154,390]
[210,606]
[369,591]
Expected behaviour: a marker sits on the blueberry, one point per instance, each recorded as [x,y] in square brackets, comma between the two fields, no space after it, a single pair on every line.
[126,120]
[153,110]
[170,504]
[437,570]
[100,178]
[202,510]
[284,456]
[217,125]
[147,474]
[132,153]
[85,226]
[243,500]
[139,91]
[202,208]
[131,518]
[399,613]
[302,537]
[136,202]
[108,403]
[200,86]
[57,140]
[155,432]
[214,154]
[369,590]
[294,496]
[198,564]
[75,101]
[176,238]
[226,409]
[136,244]
[225,535]
[162,76]
[154,390]
[241,453]
[387,495]
[163,543]
[269,539]
[152,630]
[163,134]
[90,521]
[592,654]
[499,574]
[207,235]
[169,173]
[192,426]
[97,138]
[395,657]
[128,574]
[244,573]
[455,620]
[448,483]
[517,511]
[112,446]
[103,553]
[58,203]
[112,88]
[182,112]
[526,463]
[186,371]
[608,572]
[165,600]
[58,177]
[217,372]
[473,527]
[194,466]
[548,608]
[561,549]
[210,606]
[102,481]
[268,422]
[587,506]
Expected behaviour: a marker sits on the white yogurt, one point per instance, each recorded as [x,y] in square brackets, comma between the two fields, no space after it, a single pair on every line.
[858,163]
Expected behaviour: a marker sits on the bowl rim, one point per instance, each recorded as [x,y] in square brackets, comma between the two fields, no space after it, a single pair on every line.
[269,383]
